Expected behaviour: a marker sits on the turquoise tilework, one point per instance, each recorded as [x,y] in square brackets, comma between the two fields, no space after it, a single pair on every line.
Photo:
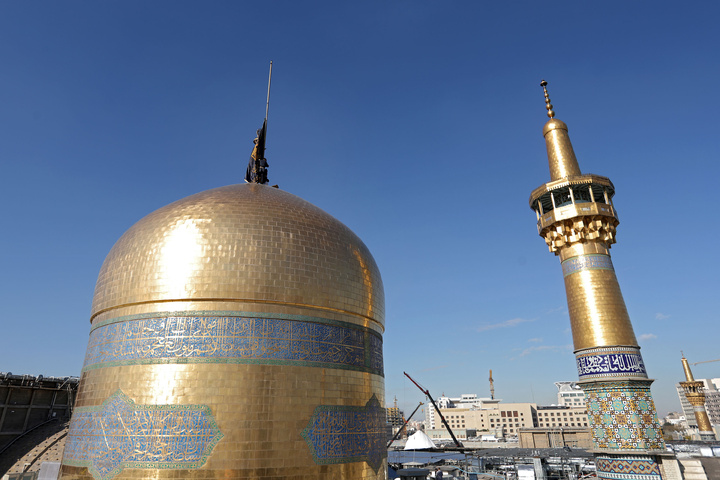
[623,417]
[627,468]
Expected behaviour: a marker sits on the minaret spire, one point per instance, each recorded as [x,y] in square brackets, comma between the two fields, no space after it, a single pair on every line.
[561,155]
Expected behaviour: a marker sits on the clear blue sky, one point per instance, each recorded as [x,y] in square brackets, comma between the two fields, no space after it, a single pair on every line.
[417,124]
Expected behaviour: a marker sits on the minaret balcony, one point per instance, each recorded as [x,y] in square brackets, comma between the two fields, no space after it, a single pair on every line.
[570,197]
[575,210]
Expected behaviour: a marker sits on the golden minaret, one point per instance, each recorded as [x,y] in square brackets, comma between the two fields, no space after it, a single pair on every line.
[577,219]
[695,393]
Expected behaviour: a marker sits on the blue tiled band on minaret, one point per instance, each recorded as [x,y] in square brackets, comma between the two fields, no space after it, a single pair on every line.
[586,262]
[604,362]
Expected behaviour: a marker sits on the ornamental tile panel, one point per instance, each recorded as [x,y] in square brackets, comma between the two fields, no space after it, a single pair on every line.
[121,434]
[623,418]
[627,468]
[342,434]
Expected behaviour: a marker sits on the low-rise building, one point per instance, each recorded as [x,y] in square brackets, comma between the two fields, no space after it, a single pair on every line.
[558,437]
[561,416]
[443,434]
[487,415]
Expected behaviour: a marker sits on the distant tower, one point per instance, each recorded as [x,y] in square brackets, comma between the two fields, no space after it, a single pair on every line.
[577,219]
[695,393]
[492,387]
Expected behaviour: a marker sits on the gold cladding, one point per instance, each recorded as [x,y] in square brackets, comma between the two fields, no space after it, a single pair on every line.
[560,232]
[703,421]
[688,373]
[247,248]
[598,315]
[561,155]
[242,243]
[585,179]
[260,409]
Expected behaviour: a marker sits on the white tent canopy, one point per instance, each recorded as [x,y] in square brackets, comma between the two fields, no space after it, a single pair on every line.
[419,441]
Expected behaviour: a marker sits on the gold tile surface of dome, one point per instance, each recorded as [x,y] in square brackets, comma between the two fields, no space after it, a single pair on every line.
[242,243]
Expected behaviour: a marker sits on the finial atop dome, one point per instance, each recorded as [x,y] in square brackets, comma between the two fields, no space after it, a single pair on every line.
[548,105]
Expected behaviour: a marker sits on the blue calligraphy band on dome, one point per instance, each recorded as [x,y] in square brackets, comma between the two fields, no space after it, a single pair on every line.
[234,337]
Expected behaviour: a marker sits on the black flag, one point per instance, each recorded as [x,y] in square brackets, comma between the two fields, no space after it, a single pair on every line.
[257,167]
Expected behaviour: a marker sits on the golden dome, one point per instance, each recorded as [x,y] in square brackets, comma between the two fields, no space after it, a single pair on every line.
[246,243]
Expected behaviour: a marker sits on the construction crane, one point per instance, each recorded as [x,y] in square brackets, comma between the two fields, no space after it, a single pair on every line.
[404,424]
[492,387]
[427,394]
[707,361]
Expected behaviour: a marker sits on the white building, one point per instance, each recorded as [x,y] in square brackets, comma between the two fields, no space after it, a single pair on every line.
[570,394]
[466,401]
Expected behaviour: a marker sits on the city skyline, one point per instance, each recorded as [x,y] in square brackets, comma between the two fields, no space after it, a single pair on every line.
[417,125]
